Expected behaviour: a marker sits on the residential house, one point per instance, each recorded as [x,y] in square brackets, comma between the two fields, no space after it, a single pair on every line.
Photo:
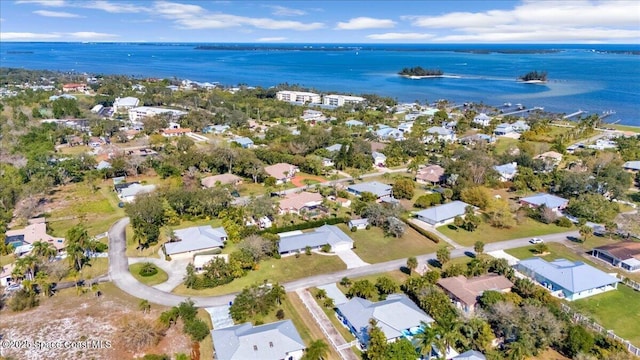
[244,142]
[127,192]
[470,355]
[103,165]
[6,277]
[282,172]
[567,279]
[552,156]
[215,129]
[126,103]
[352,123]
[298,96]
[520,126]
[223,179]
[482,119]
[442,214]
[430,174]
[397,316]
[340,100]
[507,171]
[95,142]
[623,254]
[294,203]
[405,127]
[23,239]
[478,138]
[141,112]
[313,116]
[503,129]
[200,261]
[603,144]
[379,159]
[343,202]
[326,162]
[96,109]
[172,132]
[632,165]
[359,224]
[555,203]
[438,133]
[291,243]
[334,147]
[74,87]
[465,291]
[195,239]
[389,133]
[264,222]
[274,341]
[380,190]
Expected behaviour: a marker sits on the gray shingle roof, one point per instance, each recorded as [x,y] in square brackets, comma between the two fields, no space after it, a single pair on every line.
[374,187]
[548,200]
[136,189]
[395,314]
[265,342]
[326,234]
[470,355]
[196,238]
[632,165]
[444,212]
[575,277]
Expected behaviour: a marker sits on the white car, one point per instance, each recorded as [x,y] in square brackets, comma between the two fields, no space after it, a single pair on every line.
[536,241]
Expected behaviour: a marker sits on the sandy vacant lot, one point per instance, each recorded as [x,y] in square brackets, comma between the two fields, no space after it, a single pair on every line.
[73,318]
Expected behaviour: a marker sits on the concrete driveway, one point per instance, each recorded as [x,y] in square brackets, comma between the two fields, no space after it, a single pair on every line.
[175,269]
[351,259]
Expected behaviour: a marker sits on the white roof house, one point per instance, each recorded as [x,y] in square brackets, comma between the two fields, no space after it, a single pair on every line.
[389,133]
[196,238]
[139,113]
[482,119]
[129,193]
[397,316]
[441,133]
[379,159]
[507,171]
[632,165]
[380,190]
[326,234]
[126,103]
[442,214]
[552,202]
[504,129]
[274,341]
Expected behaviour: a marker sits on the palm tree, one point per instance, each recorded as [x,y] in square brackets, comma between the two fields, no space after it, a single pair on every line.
[42,280]
[449,329]
[44,249]
[412,264]
[516,350]
[28,265]
[427,341]
[316,351]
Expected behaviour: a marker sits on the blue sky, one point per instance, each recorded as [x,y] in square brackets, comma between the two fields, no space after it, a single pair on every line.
[336,21]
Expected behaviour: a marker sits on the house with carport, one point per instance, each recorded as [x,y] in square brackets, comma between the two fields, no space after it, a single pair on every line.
[195,239]
[567,279]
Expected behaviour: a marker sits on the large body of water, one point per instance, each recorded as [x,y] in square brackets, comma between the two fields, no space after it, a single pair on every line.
[595,78]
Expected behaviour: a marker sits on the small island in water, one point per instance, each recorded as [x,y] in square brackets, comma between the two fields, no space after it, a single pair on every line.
[534,77]
[420,73]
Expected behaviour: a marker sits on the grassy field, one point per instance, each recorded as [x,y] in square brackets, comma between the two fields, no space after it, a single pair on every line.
[488,234]
[618,310]
[556,251]
[74,150]
[503,144]
[156,279]
[275,270]
[373,247]
[7,259]
[97,267]
[635,129]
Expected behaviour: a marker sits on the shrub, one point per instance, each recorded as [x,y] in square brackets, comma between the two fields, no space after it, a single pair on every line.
[326,248]
[431,236]
[196,329]
[564,222]
[306,225]
[23,300]
[307,250]
[280,314]
[428,200]
[148,269]
[156,357]
[368,227]
[354,229]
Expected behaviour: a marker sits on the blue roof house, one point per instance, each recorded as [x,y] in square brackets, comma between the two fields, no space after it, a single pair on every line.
[503,129]
[507,171]
[567,279]
[195,239]
[274,341]
[380,190]
[325,235]
[398,317]
[244,142]
[442,214]
[553,202]
[352,122]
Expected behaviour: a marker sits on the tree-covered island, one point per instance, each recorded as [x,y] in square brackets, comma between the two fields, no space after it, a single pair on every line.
[534,76]
[419,71]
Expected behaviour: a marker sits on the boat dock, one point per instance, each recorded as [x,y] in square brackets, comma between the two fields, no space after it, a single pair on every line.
[523,111]
[579,112]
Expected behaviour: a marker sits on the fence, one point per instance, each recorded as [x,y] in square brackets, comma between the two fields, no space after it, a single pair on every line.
[581,319]
[632,284]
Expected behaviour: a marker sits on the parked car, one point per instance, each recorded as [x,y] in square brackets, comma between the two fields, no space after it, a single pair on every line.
[536,241]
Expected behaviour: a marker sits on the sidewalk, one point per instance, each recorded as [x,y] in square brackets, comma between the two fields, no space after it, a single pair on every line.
[335,338]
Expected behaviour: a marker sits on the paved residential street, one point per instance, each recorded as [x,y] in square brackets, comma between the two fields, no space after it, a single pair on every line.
[119,271]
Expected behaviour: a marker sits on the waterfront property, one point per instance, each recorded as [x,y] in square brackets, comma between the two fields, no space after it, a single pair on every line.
[464,292]
[380,190]
[340,100]
[624,254]
[566,279]
[555,203]
[482,119]
[274,341]
[195,239]
[331,235]
[282,172]
[442,214]
[298,97]
[398,317]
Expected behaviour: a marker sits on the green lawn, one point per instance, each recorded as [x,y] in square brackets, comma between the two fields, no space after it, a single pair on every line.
[635,129]
[503,144]
[488,234]
[156,279]
[97,267]
[7,259]
[275,270]
[74,150]
[618,310]
[373,246]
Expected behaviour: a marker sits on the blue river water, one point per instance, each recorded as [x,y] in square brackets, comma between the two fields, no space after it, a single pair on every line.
[595,78]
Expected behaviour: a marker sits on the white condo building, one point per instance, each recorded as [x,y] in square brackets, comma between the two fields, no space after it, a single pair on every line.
[139,113]
[298,96]
[340,100]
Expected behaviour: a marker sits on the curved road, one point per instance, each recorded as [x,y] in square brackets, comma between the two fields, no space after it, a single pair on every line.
[120,275]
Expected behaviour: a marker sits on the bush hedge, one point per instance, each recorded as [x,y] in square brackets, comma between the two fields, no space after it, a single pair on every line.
[148,269]
[307,225]
[431,236]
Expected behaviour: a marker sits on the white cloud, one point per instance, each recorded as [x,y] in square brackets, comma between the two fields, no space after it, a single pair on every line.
[400,36]
[545,21]
[195,17]
[26,36]
[113,7]
[272,39]
[56,14]
[52,3]
[285,11]
[90,35]
[361,23]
